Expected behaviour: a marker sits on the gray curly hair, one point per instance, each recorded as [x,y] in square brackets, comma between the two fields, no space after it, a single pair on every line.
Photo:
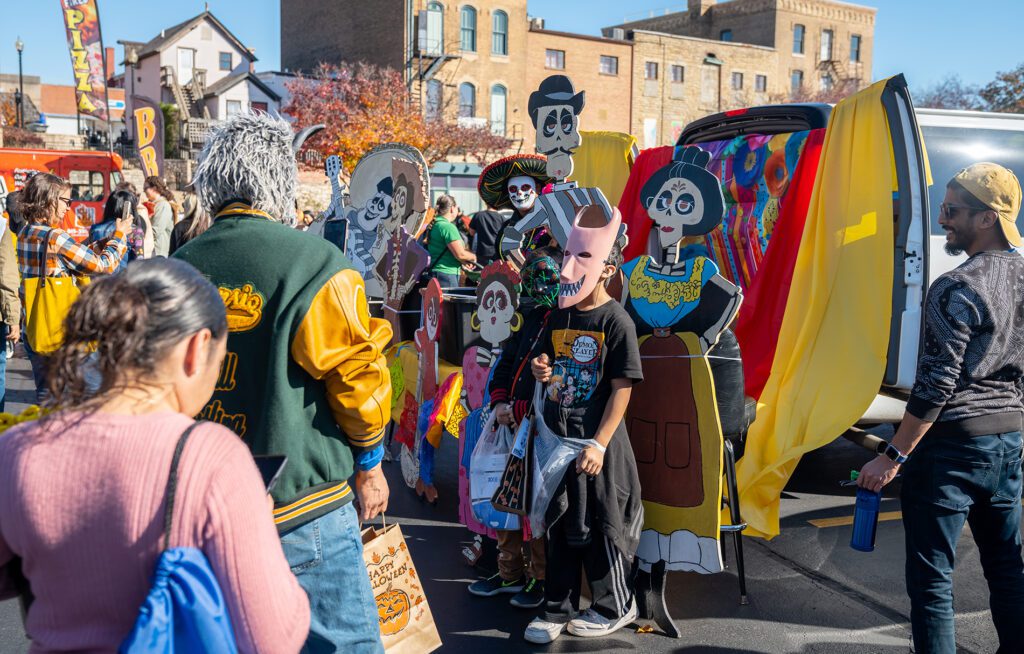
[249,157]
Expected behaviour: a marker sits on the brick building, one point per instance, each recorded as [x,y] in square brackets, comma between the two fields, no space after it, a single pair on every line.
[465,59]
[720,56]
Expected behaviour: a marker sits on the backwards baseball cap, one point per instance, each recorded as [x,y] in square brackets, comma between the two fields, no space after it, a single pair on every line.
[998,189]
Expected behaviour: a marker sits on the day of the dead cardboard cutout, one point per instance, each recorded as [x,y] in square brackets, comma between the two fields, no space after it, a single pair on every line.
[515,183]
[680,305]
[398,270]
[554,109]
[371,191]
[425,340]
[497,304]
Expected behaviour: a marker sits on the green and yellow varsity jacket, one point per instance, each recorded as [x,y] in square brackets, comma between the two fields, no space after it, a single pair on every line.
[305,374]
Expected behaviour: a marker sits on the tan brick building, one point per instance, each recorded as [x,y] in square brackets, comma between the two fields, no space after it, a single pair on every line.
[715,57]
[476,61]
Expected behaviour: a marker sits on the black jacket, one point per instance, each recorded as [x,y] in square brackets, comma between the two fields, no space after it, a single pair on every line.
[513,380]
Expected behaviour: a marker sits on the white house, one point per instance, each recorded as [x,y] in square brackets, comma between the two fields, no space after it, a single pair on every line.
[200,66]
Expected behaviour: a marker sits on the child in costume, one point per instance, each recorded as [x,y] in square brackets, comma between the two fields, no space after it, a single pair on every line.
[595,518]
[511,390]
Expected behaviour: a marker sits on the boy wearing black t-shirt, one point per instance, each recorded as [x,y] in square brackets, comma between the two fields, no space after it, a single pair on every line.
[590,362]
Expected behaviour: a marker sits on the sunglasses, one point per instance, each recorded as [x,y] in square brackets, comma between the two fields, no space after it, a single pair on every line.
[948,209]
[66,201]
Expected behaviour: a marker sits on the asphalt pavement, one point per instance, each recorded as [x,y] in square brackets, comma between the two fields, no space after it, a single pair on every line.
[808,591]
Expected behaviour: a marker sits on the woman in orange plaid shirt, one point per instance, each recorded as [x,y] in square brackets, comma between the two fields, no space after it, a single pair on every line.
[44,201]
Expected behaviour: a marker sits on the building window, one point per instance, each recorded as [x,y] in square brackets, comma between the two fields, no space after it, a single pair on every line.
[225,61]
[259,106]
[86,186]
[467,100]
[433,35]
[855,47]
[468,35]
[554,59]
[826,82]
[796,80]
[826,45]
[651,70]
[499,34]
[499,104]
[725,35]
[761,83]
[609,65]
[435,95]
[678,73]
[234,107]
[737,81]
[798,39]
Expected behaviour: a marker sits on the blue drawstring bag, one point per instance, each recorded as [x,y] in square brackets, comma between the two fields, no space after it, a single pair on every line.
[185,609]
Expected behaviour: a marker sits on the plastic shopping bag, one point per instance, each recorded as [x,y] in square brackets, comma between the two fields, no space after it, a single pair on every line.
[486,467]
[552,456]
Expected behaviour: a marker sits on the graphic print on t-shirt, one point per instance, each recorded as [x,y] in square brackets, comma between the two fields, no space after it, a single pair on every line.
[577,363]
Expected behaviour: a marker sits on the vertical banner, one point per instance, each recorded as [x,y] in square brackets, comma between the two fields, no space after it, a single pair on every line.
[82,20]
[149,134]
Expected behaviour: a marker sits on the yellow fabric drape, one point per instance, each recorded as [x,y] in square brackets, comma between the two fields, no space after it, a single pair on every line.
[834,337]
[604,160]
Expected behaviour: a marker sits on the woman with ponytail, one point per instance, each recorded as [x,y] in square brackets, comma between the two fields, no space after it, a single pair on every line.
[163,213]
[82,490]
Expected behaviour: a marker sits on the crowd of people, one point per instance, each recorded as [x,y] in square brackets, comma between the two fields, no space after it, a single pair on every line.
[218,308]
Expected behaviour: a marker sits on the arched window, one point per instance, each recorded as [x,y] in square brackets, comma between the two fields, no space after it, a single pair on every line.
[467,100]
[499,34]
[435,97]
[468,23]
[434,39]
[499,108]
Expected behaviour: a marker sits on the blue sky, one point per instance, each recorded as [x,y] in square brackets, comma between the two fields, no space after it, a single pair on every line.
[925,39]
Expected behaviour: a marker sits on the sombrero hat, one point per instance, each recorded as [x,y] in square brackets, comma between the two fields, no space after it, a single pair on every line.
[493,181]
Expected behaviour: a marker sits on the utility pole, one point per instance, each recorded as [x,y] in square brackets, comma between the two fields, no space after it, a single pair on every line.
[19,45]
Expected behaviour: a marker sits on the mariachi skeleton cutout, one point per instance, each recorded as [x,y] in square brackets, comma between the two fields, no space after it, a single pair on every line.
[371,198]
[553,212]
[497,301]
[681,305]
[554,109]
[410,195]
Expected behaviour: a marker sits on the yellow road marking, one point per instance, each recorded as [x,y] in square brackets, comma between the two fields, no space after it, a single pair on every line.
[848,519]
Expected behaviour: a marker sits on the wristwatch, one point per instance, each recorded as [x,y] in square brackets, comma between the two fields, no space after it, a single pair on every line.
[894,454]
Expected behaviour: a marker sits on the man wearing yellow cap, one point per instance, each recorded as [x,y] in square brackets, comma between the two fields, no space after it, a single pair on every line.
[960,441]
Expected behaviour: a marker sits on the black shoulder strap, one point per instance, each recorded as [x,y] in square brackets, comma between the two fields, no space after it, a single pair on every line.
[172,483]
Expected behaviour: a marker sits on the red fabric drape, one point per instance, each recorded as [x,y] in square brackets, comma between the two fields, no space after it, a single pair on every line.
[760,318]
[638,225]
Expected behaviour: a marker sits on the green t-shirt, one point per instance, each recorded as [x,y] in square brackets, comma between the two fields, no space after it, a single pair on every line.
[441,234]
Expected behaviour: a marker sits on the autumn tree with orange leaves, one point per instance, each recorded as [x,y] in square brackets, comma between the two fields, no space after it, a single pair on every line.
[364,105]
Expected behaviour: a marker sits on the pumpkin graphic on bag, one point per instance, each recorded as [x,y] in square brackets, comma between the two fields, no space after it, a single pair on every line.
[393,611]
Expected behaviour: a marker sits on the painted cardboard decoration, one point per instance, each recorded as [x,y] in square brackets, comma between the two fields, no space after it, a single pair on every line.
[515,183]
[497,301]
[555,108]
[370,201]
[588,246]
[331,223]
[425,340]
[680,305]
[410,194]
[555,212]
[398,270]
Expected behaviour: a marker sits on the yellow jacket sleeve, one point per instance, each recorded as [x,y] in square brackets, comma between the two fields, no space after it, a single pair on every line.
[339,343]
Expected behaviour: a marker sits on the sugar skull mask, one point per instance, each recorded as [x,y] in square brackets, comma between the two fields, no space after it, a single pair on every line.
[589,244]
[522,192]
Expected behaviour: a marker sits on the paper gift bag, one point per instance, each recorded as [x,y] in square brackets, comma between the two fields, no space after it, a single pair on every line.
[513,493]
[406,623]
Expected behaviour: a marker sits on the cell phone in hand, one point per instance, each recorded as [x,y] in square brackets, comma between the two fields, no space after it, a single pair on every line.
[271,466]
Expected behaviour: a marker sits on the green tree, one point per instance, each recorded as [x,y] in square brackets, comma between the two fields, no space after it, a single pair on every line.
[171,130]
[1006,92]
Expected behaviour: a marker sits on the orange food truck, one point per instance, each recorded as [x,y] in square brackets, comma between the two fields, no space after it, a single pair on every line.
[93,175]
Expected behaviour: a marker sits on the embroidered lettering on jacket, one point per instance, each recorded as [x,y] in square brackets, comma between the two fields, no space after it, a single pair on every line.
[226,380]
[214,412]
[244,307]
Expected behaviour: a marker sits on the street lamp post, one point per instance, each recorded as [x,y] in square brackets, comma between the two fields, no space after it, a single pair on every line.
[132,59]
[19,45]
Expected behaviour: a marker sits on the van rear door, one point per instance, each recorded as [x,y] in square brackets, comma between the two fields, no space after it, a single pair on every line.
[911,220]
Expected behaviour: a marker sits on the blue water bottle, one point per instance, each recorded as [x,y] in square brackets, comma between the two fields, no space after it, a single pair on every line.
[865,520]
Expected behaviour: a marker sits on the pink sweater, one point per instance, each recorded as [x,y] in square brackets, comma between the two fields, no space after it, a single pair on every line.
[82,505]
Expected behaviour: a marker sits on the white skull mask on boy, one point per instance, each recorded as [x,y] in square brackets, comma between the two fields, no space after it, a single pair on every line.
[522,192]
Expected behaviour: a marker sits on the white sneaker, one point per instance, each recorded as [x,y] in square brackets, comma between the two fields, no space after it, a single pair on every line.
[591,624]
[542,632]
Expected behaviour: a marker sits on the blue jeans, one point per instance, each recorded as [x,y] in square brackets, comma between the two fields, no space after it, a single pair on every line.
[948,481]
[447,280]
[326,556]
[39,363]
